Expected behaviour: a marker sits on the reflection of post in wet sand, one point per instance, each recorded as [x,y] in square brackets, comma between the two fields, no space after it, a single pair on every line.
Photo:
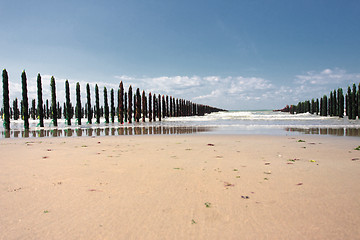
[351,132]
[108,131]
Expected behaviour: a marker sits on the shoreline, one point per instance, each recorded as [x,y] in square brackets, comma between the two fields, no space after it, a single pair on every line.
[199,186]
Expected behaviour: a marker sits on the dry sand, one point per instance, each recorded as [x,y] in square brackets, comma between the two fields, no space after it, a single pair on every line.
[180,187]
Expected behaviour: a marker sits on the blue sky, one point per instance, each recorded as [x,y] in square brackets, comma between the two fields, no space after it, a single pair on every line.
[232,54]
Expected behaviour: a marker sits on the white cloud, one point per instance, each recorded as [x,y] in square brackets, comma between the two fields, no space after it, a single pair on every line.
[325,77]
[315,84]
[214,94]
[242,84]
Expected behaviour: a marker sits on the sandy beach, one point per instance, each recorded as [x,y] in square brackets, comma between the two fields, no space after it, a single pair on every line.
[180,187]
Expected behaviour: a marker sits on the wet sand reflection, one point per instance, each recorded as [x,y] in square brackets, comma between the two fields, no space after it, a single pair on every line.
[105,131]
[351,132]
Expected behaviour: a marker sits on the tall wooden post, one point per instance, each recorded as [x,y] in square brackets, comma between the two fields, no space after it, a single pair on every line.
[121,103]
[143,106]
[150,107]
[130,104]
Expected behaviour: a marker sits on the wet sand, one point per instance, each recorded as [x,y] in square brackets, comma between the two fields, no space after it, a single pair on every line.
[180,187]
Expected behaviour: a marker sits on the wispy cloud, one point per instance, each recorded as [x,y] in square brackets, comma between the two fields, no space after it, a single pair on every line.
[326,77]
[315,84]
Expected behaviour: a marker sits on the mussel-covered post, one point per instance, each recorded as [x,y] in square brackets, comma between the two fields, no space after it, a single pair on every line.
[335,104]
[130,104]
[143,106]
[89,109]
[106,104]
[340,102]
[163,107]
[159,107]
[121,103]
[25,104]
[97,104]
[348,103]
[125,108]
[138,105]
[53,111]
[354,102]
[16,110]
[40,101]
[78,103]
[68,104]
[167,106]
[112,106]
[150,107]
[171,107]
[154,108]
[6,99]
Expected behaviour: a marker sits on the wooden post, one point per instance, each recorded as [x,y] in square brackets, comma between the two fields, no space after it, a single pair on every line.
[163,107]
[130,104]
[78,103]
[143,106]
[112,106]
[154,107]
[40,101]
[159,107]
[171,107]
[25,112]
[6,100]
[125,108]
[121,103]
[135,106]
[167,106]
[150,108]
[106,106]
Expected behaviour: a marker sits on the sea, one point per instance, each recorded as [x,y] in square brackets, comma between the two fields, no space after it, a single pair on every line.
[259,122]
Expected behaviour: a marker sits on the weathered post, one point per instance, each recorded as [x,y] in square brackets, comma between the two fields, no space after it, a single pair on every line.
[159,107]
[78,103]
[68,104]
[174,107]
[121,103]
[47,109]
[97,104]
[112,106]
[163,107]
[341,102]
[40,101]
[138,105]
[130,103]
[135,107]
[349,104]
[143,106]
[89,109]
[150,107]
[125,108]
[331,99]
[177,108]
[167,106]
[16,109]
[154,107]
[25,112]
[106,104]
[33,107]
[171,107]
[6,99]
[354,104]
[335,104]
